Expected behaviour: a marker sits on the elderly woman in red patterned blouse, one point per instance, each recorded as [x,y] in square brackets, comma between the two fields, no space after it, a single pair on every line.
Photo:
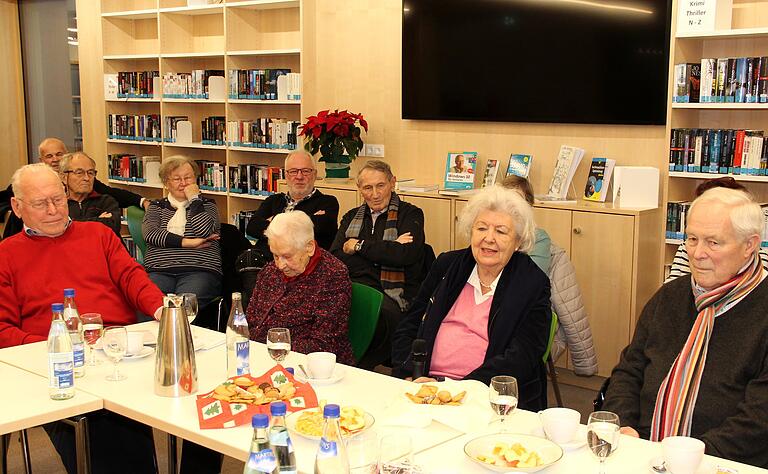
[305,289]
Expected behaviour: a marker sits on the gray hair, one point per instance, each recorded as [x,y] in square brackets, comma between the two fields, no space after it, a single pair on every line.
[47,141]
[499,199]
[300,152]
[172,163]
[35,168]
[293,227]
[745,214]
[66,162]
[376,165]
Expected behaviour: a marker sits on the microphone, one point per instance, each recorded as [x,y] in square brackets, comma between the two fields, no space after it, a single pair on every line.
[419,357]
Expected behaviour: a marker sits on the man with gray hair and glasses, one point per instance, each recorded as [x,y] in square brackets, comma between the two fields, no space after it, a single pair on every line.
[78,172]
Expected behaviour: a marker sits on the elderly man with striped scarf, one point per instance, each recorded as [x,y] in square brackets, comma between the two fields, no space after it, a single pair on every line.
[698,362]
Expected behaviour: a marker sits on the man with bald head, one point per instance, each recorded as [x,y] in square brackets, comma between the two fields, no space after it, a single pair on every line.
[300,174]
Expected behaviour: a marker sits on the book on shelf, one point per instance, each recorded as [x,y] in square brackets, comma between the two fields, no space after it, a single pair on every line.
[599,179]
[273,133]
[731,80]
[142,128]
[212,130]
[568,160]
[718,151]
[457,192]
[460,171]
[189,85]
[170,127]
[415,187]
[133,169]
[519,165]
[491,171]
[136,84]
[264,84]
[677,212]
[687,82]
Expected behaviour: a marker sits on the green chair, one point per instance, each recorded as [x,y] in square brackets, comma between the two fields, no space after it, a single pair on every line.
[135,216]
[547,358]
[366,305]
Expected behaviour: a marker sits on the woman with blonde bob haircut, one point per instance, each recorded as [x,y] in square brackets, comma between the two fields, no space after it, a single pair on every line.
[484,310]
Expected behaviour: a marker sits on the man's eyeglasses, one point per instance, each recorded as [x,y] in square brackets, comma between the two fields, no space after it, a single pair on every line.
[41,204]
[182,179]
[295,171]
[58,154]
[81,172]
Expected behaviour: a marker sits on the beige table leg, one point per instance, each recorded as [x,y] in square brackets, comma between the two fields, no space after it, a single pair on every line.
[172,454]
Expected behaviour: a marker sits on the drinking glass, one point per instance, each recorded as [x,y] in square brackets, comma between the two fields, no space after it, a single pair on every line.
[278,343]
[603,435]
[93,326]
[502,394]
[396,454]
[363,453]
[190,305]
[115,342]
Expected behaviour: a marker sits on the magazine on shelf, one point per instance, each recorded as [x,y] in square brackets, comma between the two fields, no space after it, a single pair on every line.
[519,165]
[491,170]
[414,187]
[460,170]
[599,179]
[565,167]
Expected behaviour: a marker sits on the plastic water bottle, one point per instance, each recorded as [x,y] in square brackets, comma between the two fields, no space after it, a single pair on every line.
[279,439]
[332,453]
[238,337]
[75,328]
[262,459]
[61,377]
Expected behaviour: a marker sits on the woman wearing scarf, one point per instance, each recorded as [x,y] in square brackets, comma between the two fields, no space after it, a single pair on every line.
[698,362]
[305,289]
[182,233]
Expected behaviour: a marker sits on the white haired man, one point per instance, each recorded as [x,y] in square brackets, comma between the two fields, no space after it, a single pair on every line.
[698,362]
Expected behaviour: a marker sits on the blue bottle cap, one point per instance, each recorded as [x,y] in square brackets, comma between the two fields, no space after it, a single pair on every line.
[277,408]
[69,292]
[331,411]
[290,370]
[57,307]
[260,420]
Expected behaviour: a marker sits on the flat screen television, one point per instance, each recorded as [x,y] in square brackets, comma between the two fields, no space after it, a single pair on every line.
[560,61]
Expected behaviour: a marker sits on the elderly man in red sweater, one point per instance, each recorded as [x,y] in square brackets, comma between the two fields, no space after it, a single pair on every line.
[54,253]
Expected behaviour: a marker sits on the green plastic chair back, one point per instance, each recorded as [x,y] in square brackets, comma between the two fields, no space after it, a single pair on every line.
[552,332]
[366,305]
[135,216]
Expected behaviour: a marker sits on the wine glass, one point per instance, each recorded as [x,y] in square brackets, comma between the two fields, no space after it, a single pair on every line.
[93,326]
[603,435]
[190,305]
[503,397]
[115,342]
[278,343]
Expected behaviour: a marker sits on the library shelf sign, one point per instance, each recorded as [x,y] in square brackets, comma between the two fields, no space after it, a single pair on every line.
[700,16]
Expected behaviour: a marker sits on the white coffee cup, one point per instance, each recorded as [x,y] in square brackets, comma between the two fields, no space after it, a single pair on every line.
[682,455]
[560,424]
[135,342]
[321,364]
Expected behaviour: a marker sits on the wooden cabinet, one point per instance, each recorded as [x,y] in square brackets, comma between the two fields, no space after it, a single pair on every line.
[557,223]
[438,218]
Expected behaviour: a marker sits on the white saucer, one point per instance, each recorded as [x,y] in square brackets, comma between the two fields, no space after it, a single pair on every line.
[142,354]
[579,439]
[706,466]
[338,374]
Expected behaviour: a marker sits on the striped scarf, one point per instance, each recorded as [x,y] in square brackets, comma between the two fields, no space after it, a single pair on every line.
[392,278]
[676,400]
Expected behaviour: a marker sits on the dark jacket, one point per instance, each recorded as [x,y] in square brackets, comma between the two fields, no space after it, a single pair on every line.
[365,265]
[325,224]
[518,323]
[731,413]
[93,206]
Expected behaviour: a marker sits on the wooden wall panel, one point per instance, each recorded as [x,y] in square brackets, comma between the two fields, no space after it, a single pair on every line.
[13,146]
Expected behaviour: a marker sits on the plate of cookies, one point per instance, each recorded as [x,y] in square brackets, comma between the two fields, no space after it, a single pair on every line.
[429,394]
[309,422]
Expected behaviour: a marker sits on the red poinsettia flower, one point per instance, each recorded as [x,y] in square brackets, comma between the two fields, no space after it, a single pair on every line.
[336,135]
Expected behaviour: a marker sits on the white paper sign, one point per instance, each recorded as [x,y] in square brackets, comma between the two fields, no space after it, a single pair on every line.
[703,15]
[110,86]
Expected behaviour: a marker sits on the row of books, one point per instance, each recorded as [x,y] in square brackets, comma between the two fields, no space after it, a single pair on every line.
[170,126]
[136,84]
[130,245]
[134,127]
[241,220]
[264,84]
[263,132]
[722,80]
[677,213]
[186,85]
[211,175]
[132,168]
[254,179]
[212,130]
[722,151]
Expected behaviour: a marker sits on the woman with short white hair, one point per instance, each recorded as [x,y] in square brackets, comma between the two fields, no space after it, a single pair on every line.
[484,310]
[305,289]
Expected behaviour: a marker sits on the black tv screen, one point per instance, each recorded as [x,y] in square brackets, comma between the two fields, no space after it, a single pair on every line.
[562,61]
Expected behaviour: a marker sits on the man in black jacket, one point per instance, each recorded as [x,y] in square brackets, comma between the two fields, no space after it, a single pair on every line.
[78,171]
[51,151]
[382,244]
[300,173]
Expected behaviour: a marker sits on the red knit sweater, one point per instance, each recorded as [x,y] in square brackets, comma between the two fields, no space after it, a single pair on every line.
[88,257]
[314,306]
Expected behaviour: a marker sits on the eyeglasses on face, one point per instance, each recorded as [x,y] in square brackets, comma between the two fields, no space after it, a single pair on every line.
[81,172]
[41,204]
[296,171]
[58,154]
[182,179]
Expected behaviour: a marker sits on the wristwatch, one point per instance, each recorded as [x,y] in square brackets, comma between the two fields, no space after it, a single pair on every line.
[359,245]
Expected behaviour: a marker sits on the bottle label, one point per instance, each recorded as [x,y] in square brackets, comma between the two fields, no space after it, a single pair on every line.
[61,369]
[243,360]
[262,461]
[328,449]
[281,438]
[79,354]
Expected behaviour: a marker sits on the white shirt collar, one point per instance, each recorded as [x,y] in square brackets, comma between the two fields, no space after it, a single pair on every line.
[474,280]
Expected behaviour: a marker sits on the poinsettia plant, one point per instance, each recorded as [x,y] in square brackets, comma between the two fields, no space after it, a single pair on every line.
[336,135]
